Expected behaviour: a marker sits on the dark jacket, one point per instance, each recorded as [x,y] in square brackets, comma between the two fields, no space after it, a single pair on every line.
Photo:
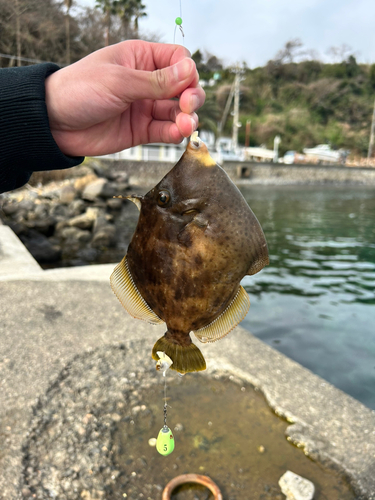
[26,142]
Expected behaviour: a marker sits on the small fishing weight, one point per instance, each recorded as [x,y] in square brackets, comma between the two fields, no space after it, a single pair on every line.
[165,441]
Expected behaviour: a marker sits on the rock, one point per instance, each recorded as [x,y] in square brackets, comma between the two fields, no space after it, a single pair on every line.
[102,220]
[105,236]
[27,205]
[41,248]
[87,254]
[76,207]
[117,176]
[60,226]
[110,190]
[82,182]
[68,194]
[94,189]
[45,226]
[41,210]
[10,208]
[81,171]
[114,203]
[86,220]
[296,487]
[74,233]
[18,227]
[58,210]
[114,189]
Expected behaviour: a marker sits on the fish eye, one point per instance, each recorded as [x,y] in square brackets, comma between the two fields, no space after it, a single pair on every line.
[163,198]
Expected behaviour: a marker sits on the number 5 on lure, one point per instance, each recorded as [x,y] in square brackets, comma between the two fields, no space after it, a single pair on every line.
[165,441]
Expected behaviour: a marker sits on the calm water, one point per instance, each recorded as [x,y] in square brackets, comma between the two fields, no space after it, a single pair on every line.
[315,302]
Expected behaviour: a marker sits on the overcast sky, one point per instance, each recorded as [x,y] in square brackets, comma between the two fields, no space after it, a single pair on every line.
[254,30]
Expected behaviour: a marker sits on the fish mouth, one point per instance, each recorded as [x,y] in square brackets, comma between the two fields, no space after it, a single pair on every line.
[198,150]
[195,141]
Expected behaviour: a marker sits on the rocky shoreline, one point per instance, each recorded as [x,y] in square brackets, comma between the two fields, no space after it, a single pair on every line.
[73,222]
[77,221]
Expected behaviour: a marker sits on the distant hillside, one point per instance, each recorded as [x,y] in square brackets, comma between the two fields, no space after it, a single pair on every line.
[306,103]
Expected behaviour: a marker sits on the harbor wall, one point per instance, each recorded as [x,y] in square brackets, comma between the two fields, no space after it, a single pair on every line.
[149,173]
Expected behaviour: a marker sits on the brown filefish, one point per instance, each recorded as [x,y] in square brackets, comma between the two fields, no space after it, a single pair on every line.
[195,240]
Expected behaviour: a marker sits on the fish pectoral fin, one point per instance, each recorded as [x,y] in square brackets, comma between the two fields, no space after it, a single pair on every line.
[128,294]
[228,319]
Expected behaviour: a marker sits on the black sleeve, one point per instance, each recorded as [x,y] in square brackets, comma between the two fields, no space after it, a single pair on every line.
[26,142]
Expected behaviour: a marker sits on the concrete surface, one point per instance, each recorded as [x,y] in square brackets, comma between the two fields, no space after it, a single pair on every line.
[48,317]
[14,257]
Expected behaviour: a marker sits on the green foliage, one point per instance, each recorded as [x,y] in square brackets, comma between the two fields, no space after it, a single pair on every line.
[306,103]
[372,76]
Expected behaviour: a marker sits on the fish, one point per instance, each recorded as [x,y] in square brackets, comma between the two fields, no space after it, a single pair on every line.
[196,238]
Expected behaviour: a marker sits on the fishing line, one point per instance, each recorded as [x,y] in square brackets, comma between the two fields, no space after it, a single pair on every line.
[178,24]
[165,439]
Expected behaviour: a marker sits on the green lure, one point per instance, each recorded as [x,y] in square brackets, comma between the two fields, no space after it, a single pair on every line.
[178,21]
[165,441]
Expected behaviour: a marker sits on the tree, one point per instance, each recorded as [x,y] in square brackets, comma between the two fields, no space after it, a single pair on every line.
[372,76]
[68,5]
[209,114]
[128,11]
[340,53]
[139,12]
[108,8]
[289,52]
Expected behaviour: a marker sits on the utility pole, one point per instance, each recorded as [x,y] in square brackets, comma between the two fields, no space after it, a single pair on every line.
[236,110]
[226,111]
[276,143]
[372,134]
[247,133]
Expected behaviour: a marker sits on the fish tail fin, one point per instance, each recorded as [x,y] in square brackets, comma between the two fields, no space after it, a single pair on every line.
[185,358]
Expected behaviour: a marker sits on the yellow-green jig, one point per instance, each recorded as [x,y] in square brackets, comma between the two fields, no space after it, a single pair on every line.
[165,439]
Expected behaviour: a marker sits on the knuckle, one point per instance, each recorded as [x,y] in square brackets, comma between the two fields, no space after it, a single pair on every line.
[160,79]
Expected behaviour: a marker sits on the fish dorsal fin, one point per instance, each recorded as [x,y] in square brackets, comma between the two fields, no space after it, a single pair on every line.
[228,319]
[128,294]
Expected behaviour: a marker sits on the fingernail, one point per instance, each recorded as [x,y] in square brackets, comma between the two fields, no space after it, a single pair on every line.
[194,124]
[194,102]
[182,69]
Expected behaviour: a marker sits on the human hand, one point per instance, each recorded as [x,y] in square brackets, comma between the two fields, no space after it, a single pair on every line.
[120,96]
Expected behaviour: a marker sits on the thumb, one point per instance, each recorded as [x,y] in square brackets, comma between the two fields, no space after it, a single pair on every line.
[162,83]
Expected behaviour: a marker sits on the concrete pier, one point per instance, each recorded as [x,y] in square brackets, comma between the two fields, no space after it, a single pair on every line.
[49,317]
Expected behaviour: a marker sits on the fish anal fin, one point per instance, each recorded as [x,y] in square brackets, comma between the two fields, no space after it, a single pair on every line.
[128,294]
[228,319]
[185,358]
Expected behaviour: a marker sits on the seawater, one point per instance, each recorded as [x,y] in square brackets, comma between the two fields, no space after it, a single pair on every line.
[315,302]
